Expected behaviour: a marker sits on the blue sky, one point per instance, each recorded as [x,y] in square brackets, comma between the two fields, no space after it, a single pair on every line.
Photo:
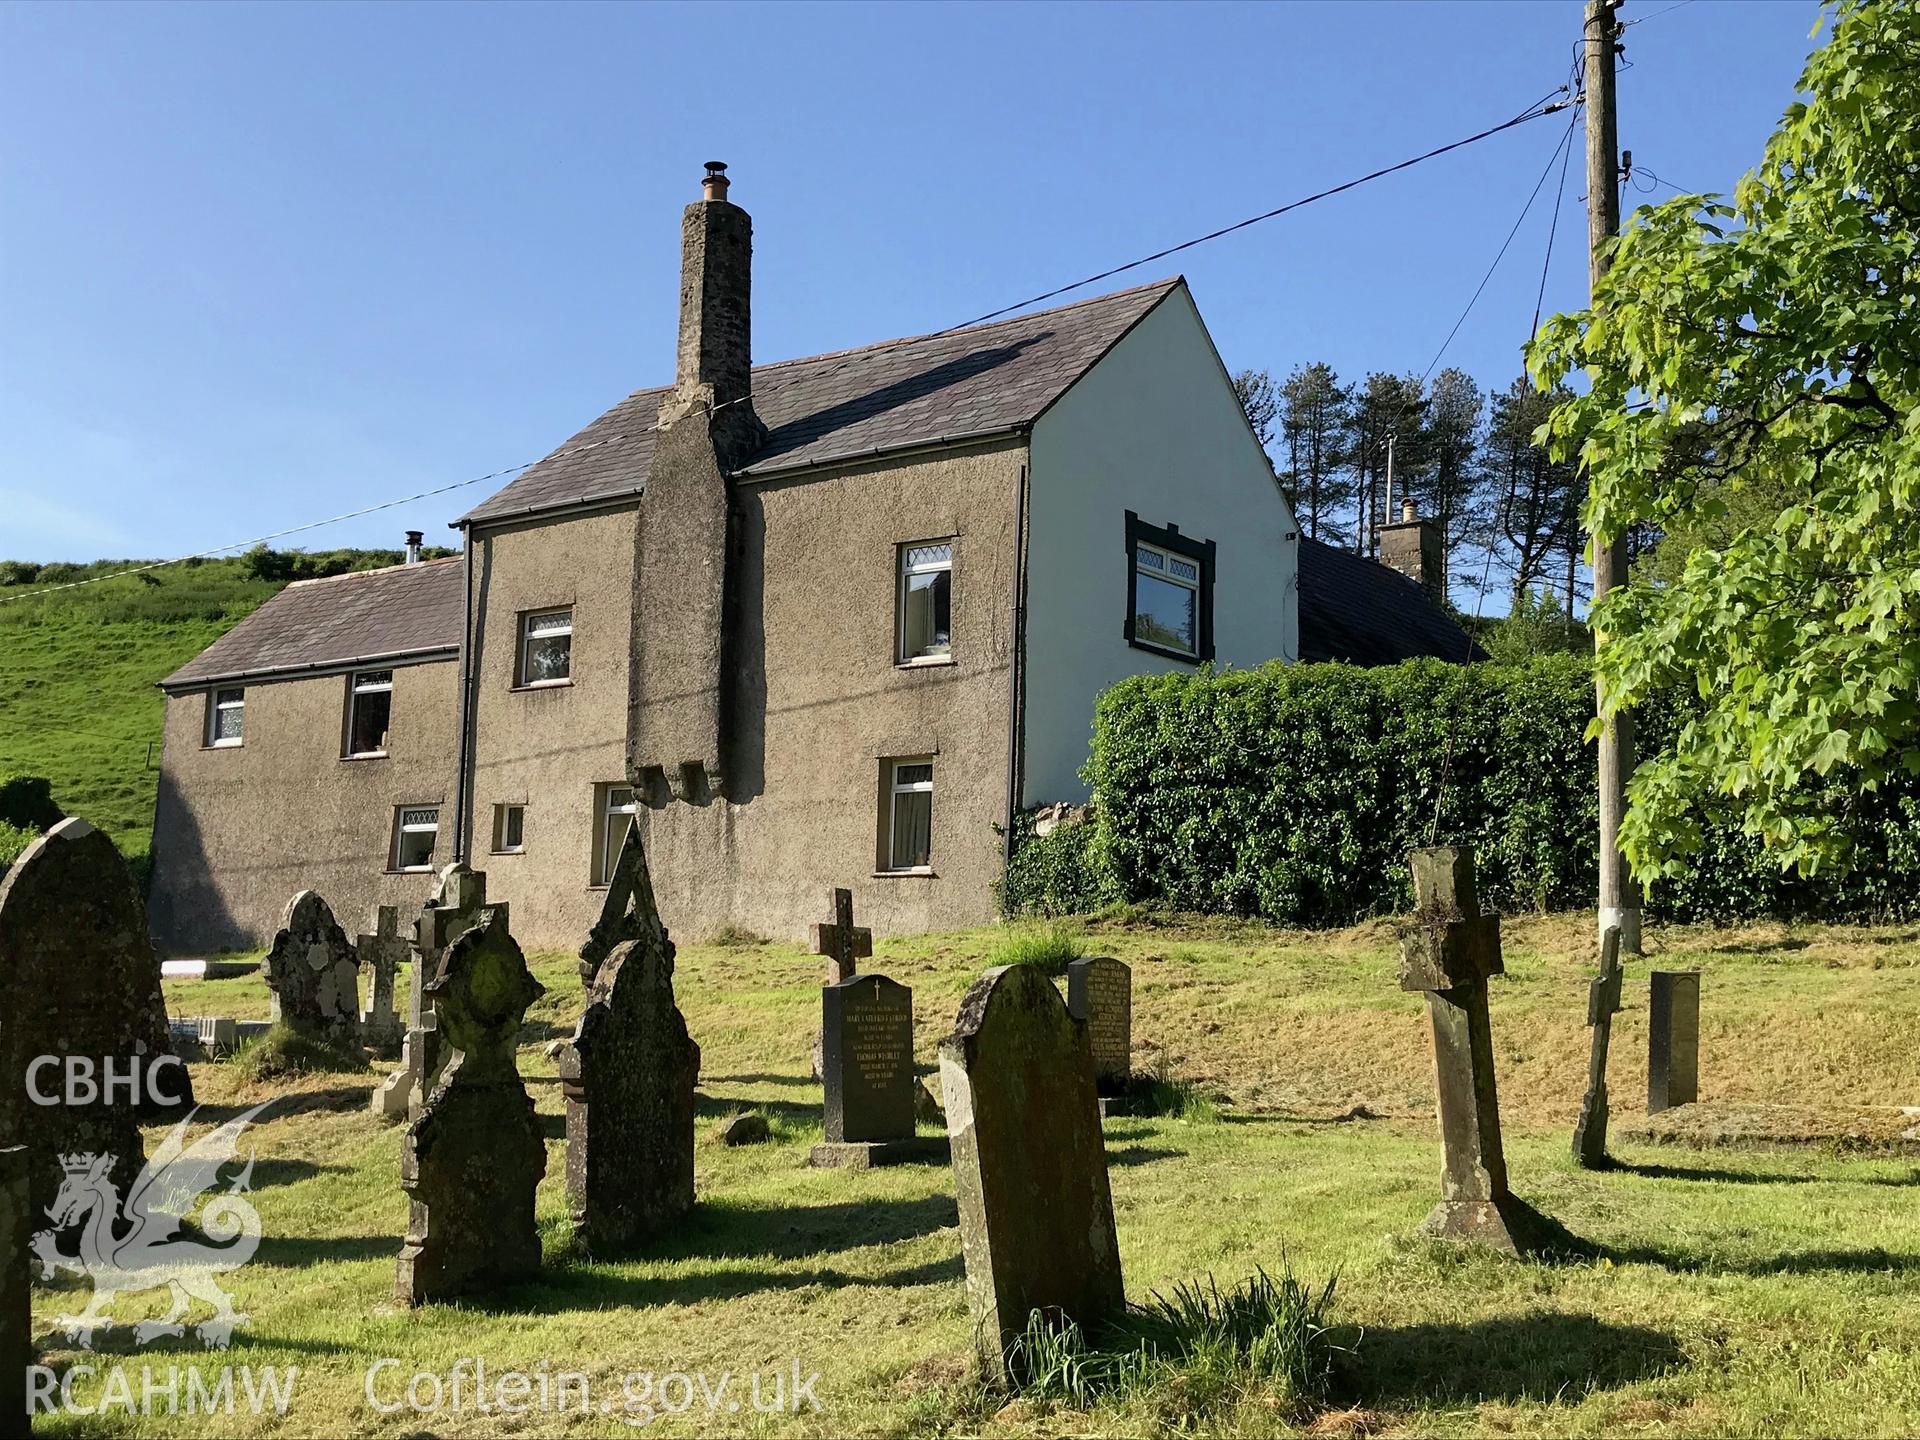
[263,264]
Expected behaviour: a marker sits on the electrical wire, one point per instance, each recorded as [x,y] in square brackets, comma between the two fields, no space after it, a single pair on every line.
[1546,105]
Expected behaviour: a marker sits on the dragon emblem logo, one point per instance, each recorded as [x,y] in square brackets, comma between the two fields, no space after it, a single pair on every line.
[142,1241]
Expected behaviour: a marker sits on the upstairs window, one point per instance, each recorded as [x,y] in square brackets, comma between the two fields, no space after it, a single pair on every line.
[416,828]
[1169,591]
[369,708]
[909,816]
[546,647]
[226,716]
[509,829]
[616,809]
[926,601]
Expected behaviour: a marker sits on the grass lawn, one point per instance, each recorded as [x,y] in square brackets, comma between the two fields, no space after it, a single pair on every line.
[1736,1291]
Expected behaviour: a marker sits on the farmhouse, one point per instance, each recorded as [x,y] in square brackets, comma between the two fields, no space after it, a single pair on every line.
[826,621]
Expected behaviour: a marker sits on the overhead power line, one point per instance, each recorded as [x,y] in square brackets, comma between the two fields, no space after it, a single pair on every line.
[1546,105]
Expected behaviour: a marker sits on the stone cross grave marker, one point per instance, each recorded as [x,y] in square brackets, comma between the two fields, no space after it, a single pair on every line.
[1029,1163]
[382,952]
[314,973]
[1448,953]
[475,1155]
[1603,1003]
[844,945]
[867,1069]
[1673,1039]
[628,1076]
[1100,993]
[455,906]
[16,1283]
[79,981]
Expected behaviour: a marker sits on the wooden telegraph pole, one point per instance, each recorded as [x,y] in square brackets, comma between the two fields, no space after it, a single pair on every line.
[1619,895]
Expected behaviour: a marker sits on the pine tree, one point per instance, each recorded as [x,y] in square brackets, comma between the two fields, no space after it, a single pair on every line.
[1314,413]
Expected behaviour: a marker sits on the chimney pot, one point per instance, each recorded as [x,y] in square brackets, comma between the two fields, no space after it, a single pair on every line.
[1409,510]
[714,186]
[414,537]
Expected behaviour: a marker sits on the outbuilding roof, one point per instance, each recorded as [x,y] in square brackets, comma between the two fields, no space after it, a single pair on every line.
[1366,613]
[897,395]
[403,612]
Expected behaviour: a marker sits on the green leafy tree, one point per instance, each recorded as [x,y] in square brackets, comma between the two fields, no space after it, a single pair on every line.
[1771,345]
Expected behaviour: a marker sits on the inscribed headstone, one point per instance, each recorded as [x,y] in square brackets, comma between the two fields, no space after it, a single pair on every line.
[1673,1039]
[1100,992]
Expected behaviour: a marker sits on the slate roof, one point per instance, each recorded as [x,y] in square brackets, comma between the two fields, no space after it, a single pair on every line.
[403,611]
[897,395]
[1366,613]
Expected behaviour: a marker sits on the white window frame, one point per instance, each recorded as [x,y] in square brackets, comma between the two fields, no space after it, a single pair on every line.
[402,827]
[528,619]
[1164,572]
[361,683]
[895,789]
[903,570]
[605,853]
[217,702]
[503,813]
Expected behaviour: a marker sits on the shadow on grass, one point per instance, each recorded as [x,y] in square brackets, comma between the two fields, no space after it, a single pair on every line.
[1873,1261]
[268,1172]
[760,1077]
[582,1285]
[709,1107]
[722,1229]
[1543,1357]
[1754,1177]
[335,1098]
[291,1252]
[1141,1155]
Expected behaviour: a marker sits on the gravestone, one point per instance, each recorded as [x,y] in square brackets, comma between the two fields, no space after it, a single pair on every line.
[1603,1003]
[1100,993]
[628,1076]
[16,1285]
[1029,1163]
[314,973]
[621,911]
[382,952]
[80,993]
[1448,953]
[843,944]
[475,1155]
[1673,1039]
[459,895]
[867,1069]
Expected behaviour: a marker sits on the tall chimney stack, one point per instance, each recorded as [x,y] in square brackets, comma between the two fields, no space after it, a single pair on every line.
[680,685]
[1414,548]
[714,366]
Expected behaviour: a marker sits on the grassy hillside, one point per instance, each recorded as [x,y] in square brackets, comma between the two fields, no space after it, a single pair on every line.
[1730,1292]
[78,668]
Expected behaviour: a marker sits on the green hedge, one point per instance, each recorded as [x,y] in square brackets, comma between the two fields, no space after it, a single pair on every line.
[1294,793]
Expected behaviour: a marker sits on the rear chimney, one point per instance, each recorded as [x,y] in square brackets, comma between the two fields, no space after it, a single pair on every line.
[414,537]
[1413,547]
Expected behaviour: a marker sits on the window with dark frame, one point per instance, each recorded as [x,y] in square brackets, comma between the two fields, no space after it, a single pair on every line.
[546,647]
[925,602]
[909,816]
[226,717]
[1169,591]
[416,828]
[369,712]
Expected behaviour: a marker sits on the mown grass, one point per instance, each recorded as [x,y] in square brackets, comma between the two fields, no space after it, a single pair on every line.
[1730,1292]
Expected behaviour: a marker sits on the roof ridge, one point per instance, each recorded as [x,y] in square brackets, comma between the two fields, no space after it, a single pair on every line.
[973,329]
[362,574]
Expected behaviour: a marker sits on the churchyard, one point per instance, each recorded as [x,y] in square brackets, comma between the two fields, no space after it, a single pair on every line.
[1752,1263]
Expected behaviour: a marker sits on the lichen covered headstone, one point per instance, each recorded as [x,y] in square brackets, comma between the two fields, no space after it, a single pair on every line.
[1447,953]
[459,895]
[1029,1163]
[475,1155]
[314,973]
[1100,992]
[628,1076]
[382,952]
[83,1026]
[1603,1003]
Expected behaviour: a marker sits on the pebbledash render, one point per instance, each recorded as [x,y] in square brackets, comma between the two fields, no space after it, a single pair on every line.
[826,622]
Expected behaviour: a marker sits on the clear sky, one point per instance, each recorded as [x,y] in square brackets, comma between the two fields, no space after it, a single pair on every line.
[260,264]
